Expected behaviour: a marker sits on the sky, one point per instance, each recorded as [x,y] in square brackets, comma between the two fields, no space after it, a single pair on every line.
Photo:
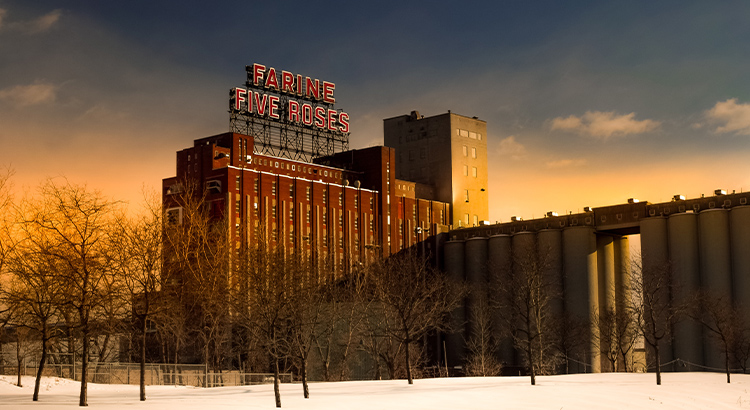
[587,103]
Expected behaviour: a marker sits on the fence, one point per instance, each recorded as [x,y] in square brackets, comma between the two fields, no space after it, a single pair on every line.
[156,374]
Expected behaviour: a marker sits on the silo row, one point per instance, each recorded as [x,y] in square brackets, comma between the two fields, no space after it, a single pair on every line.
[570,257]
[706,251]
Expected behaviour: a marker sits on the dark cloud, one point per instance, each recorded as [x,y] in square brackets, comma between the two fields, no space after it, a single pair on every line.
[143,76]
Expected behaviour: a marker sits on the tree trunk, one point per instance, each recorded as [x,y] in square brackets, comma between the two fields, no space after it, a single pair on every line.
[83,399]
[42,360]
[143,362]
[408,362]
[18,355]
[529,348]
[726,365]
[658,364]
[531,365]
[305,388]
[276,392]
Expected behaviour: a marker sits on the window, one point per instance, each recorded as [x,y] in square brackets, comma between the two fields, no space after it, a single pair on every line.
[466,151]
[325,197]
[466,219]
[255,185]
[273,188]
[174,216]
[466,170]
[473,152]
[307,193]
[237,207]
[341,198]
[474,172]
[476,220]
[466,198]
[473,135]
[325,217]
[423,153]
[291,190]
[237,181]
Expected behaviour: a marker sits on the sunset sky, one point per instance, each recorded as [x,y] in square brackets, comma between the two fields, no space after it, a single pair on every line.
[587,103]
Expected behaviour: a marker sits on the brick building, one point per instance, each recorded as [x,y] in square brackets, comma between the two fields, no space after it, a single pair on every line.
[348,207]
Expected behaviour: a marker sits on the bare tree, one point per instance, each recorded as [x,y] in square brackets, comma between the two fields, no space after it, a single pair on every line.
[267,315]
[197,272]
[720,319]
[651,307]
[740,347]
[482,345]
[415,297]
[35,294]
[617,336]
[6,240]
[527,293]
[138,265]
[307,307]
[73,225]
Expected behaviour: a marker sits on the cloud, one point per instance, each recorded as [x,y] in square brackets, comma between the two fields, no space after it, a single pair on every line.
[604,125]
[734,117]
[45,22]
[33,94]
[566,163]
[35,26]
[510,147]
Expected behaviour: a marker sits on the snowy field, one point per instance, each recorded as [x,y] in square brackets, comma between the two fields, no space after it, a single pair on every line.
[587,391]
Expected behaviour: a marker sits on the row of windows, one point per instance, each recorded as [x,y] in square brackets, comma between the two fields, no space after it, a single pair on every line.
[307,193]
[294,167]
[473,171]
[473,151]
[468,134]
[308,214]
[466,220]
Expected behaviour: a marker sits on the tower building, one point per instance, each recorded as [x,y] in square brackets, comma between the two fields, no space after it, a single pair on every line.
[447,152]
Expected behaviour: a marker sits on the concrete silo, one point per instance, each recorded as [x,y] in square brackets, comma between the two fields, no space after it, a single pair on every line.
[475,267]
[685,265]
[455,347]
[655,260]
[499,262]
[549,246]
[582,294]
[715,272]
[739,229]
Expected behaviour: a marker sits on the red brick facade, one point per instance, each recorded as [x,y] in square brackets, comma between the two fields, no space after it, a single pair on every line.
[348,206]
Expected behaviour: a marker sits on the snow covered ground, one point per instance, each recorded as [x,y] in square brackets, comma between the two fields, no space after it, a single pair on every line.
[585,391]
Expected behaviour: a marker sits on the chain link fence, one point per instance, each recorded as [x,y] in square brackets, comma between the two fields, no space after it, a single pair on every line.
[156,374]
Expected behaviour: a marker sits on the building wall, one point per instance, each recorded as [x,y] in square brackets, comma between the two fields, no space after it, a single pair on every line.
[702,241]
[448,152]
[351,212]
